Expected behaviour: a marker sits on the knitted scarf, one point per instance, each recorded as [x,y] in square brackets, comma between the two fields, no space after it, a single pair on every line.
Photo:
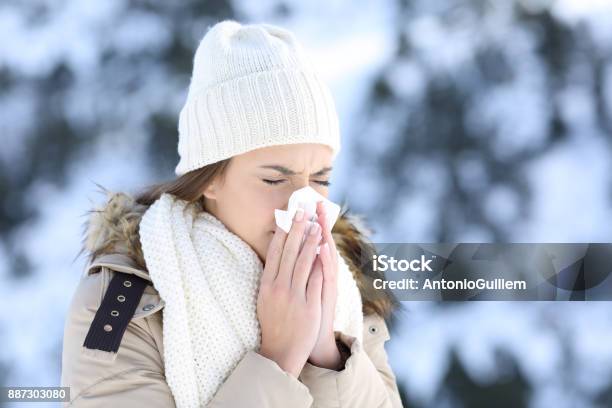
[209,280]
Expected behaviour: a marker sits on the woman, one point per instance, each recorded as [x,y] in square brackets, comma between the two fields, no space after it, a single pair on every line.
[193,296]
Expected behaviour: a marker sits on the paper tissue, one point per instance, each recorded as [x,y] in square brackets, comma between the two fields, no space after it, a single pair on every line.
[308,196]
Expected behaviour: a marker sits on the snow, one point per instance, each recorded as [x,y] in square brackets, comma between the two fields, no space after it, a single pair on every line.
[563,348]
[570,202]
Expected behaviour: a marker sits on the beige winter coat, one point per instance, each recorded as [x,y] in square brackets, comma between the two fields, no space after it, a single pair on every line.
[134,375]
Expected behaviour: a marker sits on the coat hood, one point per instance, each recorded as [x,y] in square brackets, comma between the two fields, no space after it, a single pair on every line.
[112,228]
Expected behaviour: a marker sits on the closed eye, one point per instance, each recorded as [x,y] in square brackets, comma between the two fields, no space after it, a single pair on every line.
[273,182]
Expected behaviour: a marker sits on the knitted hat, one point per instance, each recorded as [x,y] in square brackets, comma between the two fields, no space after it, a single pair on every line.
[252,86]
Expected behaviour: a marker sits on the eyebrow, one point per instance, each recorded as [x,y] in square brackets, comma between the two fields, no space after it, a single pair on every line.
[289,172]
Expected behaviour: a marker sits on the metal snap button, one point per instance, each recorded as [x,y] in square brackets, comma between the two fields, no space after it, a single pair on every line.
[148,307]
[121,298]
[373,329]
[127,283]
[108,327]
[114,313]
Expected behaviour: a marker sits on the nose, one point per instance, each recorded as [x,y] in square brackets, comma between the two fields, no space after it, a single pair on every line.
[301,183]
[311,211]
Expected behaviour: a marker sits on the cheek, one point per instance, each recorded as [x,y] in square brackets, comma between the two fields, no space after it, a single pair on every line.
[257,205]
[324,191]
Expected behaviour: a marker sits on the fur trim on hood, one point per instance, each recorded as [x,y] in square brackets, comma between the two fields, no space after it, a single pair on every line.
[113,228]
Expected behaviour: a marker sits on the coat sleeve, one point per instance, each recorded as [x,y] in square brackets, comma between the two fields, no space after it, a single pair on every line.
[134,376]
[259,382]
[366,380]
[131,377]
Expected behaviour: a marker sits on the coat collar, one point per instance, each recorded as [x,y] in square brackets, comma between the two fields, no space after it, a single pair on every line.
[111,239]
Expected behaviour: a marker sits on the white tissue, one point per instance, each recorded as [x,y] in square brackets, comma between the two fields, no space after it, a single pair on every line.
[308,196]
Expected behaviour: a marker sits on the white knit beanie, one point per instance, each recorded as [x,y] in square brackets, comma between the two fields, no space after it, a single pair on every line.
[252,86]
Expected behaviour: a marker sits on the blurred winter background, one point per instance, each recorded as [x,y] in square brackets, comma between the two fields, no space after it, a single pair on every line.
[481,121]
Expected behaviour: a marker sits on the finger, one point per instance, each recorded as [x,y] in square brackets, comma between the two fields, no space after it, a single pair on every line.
[329,268]
[273,255]
[326,230]
[315,284]
[305,259]
[330,283]
[321,214]
[291,248]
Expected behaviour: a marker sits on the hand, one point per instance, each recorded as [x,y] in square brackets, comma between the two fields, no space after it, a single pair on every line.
[325,353]
[289,299]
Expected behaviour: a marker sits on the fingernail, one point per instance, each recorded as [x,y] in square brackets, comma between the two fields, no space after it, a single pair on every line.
[314,228]
[299,214]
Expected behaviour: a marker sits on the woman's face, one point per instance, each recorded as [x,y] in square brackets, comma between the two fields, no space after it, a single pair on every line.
[257,182]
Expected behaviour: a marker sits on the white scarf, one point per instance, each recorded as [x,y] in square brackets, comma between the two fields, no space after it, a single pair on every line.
[208,278]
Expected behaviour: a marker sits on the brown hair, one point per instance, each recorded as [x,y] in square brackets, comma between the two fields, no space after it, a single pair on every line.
[188,187]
